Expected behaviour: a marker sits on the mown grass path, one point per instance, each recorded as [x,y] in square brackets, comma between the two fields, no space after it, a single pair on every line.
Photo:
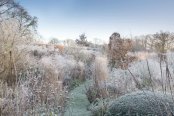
[78,104]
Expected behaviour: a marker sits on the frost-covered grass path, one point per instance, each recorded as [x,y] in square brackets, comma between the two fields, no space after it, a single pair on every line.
[78,104]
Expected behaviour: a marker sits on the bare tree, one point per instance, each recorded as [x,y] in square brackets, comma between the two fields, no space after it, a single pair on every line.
[6,6]
[16,30]
[161,42]
[11,9]
[12,50]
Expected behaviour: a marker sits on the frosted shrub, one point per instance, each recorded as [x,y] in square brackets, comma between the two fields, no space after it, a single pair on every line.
[143,75]
[142,104]
[37,92]
[40,88]
[65,69]
[81,54]
[120,82]
[156,76]
[15,101]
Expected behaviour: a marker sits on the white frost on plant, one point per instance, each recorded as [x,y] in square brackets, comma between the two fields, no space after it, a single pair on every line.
[122,79]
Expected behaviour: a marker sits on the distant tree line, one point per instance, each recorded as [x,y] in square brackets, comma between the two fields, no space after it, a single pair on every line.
[119,47]
[159,42]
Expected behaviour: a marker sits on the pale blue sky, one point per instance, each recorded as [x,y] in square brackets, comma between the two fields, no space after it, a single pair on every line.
[100,18]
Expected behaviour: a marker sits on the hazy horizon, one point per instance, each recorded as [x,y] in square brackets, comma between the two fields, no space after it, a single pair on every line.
[67,19]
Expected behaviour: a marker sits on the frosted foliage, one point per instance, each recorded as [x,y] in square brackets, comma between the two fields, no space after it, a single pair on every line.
[142,104]
[83,55]
[121,81]
[10,30]
[170,60]
[62,66]
[140,69]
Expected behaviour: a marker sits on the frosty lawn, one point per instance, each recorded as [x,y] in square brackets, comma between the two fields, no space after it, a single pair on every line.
[78,104]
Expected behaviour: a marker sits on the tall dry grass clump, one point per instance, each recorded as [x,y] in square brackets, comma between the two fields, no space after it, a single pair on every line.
[100,71]
[100,74]
[38,92]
